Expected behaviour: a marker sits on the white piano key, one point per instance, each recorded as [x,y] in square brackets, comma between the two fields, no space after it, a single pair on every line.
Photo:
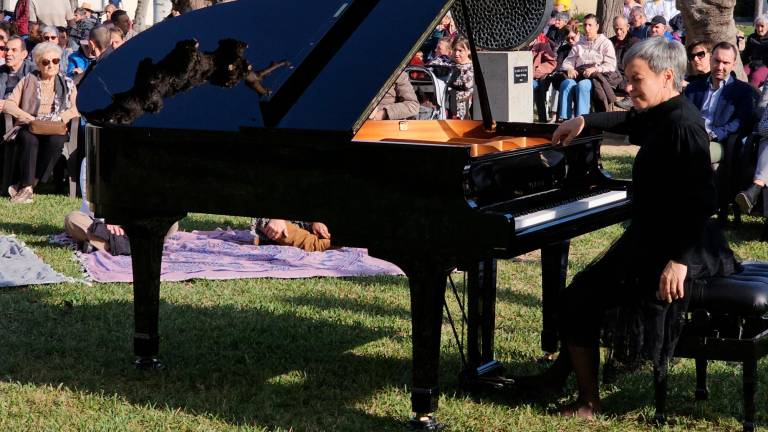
[571,208]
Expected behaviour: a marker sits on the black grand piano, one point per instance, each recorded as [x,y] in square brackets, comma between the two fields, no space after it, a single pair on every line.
[429,196]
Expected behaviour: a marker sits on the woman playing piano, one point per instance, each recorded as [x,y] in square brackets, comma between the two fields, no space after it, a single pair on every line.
[671,240]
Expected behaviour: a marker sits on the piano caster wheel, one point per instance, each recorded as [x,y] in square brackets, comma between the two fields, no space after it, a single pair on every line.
[148,363]
[423,423]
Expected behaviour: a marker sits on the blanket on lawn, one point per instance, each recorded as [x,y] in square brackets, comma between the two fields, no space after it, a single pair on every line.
[230,254]
[20,266]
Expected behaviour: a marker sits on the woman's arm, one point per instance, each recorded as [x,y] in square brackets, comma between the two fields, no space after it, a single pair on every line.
[12,104]
[608,121]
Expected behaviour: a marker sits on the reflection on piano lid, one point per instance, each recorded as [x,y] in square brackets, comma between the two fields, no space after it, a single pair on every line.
[344,54]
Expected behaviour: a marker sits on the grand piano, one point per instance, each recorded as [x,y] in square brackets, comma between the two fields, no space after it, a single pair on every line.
[429,196]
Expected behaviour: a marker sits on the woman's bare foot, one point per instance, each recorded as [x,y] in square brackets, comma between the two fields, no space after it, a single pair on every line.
[585,410]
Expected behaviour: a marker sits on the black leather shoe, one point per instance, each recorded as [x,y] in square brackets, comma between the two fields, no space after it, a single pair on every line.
[746,199]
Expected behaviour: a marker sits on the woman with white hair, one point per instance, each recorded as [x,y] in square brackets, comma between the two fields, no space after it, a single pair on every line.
[755,54]
[671,240]
[42,104]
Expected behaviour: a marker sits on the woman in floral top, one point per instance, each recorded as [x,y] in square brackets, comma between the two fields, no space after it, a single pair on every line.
[464,83]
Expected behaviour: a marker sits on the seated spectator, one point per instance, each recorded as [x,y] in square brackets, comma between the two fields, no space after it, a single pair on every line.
[121,20]
[116,37]
[6,30]
[541,87]
[726,105]
[79,61]
[311,237]
[108,10]
[621,43]
[464,81]
[658,28]
[699,59]
[3,50]
[399,102]
[16,67]
[558,31]
[441,55]
[41,95]
[628,6]
[746,199]
[678,28]
[85,20]
[755,54]
[544,63]
[620,40]
[51,34]
[594,54]
[638,29]
[725,102]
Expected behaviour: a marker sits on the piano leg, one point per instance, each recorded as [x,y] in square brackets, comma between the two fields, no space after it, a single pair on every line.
[147,237]
[554,269]
[481,369]
[427,285]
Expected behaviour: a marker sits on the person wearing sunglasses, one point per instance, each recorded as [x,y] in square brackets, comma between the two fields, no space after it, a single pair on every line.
[46,95]
[52,34]
[699,52]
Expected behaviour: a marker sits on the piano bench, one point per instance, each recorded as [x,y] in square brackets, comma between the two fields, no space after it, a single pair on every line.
[726,321]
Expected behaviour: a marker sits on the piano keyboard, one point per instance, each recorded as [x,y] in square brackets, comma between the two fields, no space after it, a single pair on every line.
[574,207]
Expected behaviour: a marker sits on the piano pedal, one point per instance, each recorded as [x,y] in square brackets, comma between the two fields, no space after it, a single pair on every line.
[424,422]
[547,358]
[149,363]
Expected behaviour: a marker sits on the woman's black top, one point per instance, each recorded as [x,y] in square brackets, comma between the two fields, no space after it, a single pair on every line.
[755,52]
[673,188]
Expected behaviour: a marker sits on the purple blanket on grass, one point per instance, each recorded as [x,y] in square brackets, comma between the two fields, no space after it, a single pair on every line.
[231,255]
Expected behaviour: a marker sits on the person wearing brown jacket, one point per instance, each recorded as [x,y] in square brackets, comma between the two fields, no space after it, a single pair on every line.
[399,102]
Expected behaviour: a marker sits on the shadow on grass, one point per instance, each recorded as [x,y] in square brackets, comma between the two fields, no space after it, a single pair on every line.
[350,305]
[725,403]
[30,229]
[244,365]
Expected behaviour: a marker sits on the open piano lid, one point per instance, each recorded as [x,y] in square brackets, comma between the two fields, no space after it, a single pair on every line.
[344,54]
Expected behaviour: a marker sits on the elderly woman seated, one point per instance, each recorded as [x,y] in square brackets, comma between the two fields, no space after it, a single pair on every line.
[42,104]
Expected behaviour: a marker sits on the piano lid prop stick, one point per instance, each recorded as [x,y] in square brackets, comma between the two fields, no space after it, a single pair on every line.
[482,93]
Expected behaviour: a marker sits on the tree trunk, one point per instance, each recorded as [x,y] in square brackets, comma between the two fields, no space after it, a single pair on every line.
[607,10]
[711,19]
[138,17]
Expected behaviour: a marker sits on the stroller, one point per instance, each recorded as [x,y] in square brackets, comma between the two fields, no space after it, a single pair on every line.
[432,91]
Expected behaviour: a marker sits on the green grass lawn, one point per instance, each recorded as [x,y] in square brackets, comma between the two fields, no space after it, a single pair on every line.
[305,355]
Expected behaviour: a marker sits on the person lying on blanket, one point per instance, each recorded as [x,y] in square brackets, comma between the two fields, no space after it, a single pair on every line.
[94,234]
[310,236]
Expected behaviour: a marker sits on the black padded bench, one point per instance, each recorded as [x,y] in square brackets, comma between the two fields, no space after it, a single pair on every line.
[726,321]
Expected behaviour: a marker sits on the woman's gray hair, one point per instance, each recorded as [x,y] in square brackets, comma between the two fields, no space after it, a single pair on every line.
[49,29]
[40,49]
[660,54]
[761,19]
